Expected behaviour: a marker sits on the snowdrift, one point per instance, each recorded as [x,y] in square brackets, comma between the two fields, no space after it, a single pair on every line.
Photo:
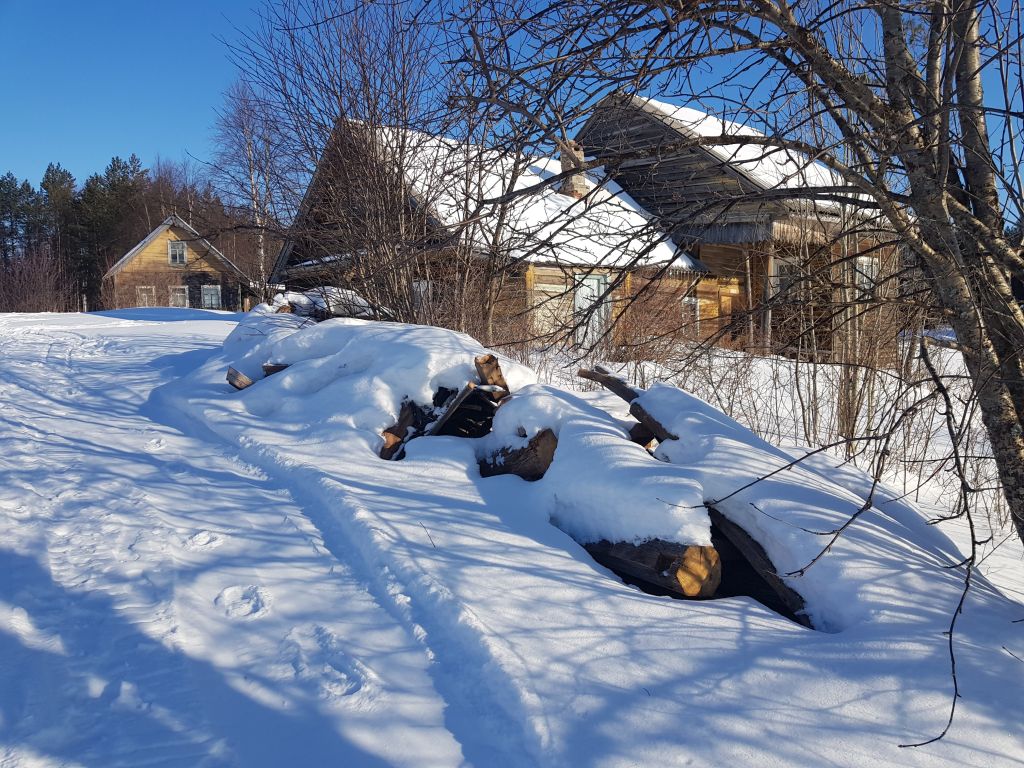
[484,563]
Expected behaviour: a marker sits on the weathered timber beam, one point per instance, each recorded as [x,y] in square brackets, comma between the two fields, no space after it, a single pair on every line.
[611,382]
[754,554]
[620,387]
[269,369]
[687,570]
[238,380]
[529,462]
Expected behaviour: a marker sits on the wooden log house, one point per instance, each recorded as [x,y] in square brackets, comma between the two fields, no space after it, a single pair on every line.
[779,261]
[564,258]
[174,266]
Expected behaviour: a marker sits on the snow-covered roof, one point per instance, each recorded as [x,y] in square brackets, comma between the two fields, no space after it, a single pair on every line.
[171,221]
[460,184]
[770,167]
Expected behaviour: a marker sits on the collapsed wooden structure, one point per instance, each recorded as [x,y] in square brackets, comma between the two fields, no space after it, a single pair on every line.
[734,564]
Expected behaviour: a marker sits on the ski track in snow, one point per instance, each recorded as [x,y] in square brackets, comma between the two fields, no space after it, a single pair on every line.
[174,593]
[162,603]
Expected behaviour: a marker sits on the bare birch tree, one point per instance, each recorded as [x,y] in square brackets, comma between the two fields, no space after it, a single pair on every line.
[891,97]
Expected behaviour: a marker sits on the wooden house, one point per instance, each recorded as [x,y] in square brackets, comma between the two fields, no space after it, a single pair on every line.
[789,260]
[484,241]
[174,266]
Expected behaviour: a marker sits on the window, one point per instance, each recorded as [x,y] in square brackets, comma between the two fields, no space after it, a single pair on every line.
[178,296]
[145,296]
[176,253]
[789,279]
[866,276]
[211,297]
[691,315]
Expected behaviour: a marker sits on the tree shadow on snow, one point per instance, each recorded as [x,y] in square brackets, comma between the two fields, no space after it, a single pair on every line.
[82,685]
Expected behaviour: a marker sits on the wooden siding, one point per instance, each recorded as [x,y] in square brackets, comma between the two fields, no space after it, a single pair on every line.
[151,268]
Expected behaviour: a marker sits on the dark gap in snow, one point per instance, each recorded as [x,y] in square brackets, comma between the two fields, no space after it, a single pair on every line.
[740,578]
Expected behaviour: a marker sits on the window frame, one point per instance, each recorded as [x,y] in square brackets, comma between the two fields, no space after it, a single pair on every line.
[220,296]
[690,325]
[139,289]
[866,273]
[171,256]
[170,296]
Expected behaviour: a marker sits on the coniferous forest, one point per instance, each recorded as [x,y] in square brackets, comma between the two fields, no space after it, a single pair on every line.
[58,238]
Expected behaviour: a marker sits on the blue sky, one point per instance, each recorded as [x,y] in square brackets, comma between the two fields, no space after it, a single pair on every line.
[86,80]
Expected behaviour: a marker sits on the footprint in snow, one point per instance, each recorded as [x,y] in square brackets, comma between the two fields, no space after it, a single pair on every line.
[317,659]
[155,444]
[203,540]
[248,602]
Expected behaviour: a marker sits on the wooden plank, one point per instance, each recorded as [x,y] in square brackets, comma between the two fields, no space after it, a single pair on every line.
[529,462]
[489,371]
[469,414]
[269,369]
[452,406]
[754,554]
[687,570]
[238,380]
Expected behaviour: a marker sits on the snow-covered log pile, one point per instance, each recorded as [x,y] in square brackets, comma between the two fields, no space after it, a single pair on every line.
[200,575]
[711,491]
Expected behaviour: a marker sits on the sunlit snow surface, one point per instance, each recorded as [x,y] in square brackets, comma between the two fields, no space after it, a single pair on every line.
[191,575]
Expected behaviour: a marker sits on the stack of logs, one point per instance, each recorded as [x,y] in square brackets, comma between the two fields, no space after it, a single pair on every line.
[469,412]
[684,570]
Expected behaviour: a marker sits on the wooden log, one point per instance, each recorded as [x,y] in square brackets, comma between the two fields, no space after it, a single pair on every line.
[642,435]
[238,380]
[410,417]
[285,308]
[687,570]
[611,382]
[621,387]
[758,559]
[529,462]
[269,369]
[639,413]
[489,371]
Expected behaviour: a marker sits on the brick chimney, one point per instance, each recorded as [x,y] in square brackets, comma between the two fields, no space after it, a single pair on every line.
[574,186]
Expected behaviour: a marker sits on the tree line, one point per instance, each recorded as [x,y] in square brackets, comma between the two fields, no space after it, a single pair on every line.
[59,238]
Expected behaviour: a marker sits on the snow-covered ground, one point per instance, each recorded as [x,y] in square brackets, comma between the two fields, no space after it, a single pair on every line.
[191,575]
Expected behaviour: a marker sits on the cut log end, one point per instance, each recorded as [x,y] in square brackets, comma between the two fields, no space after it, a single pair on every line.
[238,380]
[489,371]
[412,420]
[691,571]
[529,462]
[699,572]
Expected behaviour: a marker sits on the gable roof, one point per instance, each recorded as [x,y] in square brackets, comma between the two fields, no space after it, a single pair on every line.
[459,185]
[171,221]
[767,167]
